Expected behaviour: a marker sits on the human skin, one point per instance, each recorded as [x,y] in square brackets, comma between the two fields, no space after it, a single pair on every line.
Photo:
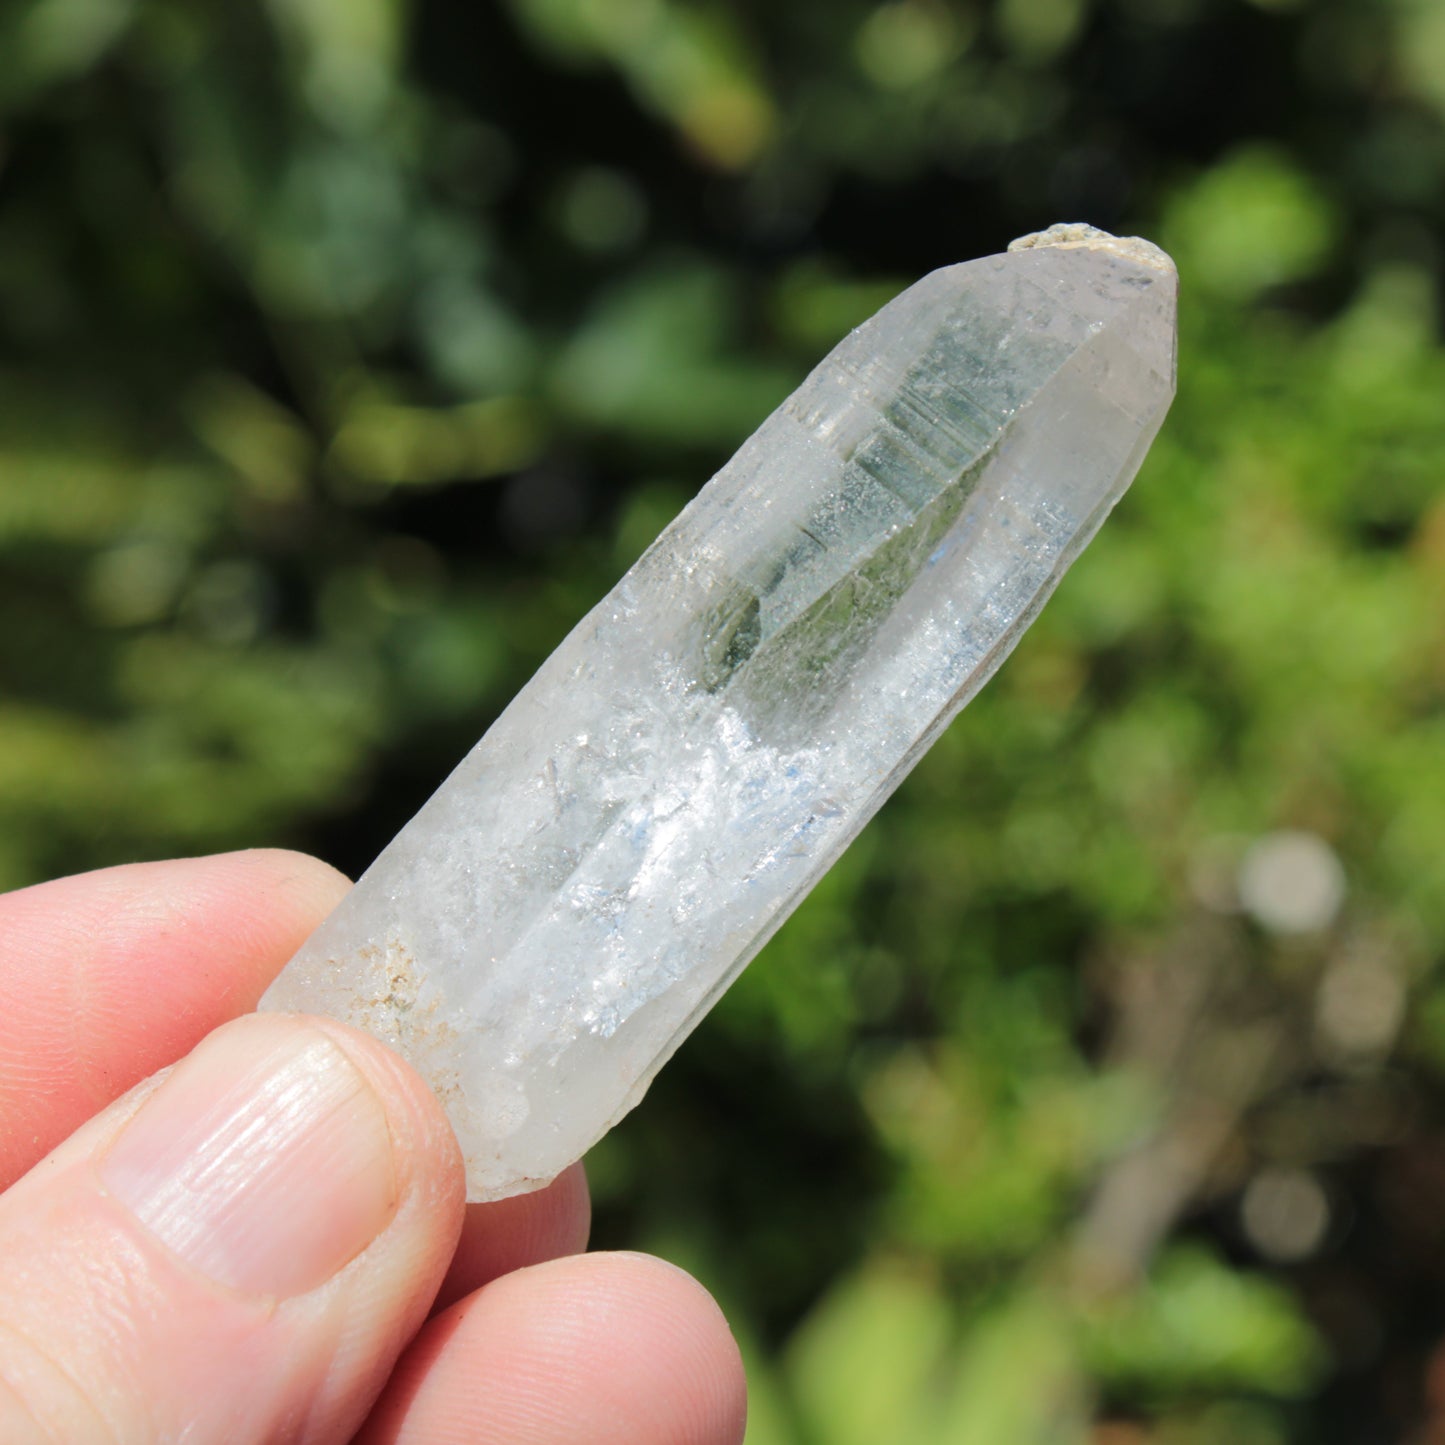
[223,1226]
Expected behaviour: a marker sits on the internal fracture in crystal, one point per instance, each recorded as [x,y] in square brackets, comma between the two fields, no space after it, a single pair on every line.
[690,761]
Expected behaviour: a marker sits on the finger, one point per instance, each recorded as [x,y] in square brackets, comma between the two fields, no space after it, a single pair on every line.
[613,1349]
[234,1252]
[109,976]
[513,1233]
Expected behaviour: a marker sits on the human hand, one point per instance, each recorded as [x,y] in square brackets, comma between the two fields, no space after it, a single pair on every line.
[247,1246]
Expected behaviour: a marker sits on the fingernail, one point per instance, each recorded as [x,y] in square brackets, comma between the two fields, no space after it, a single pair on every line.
[264,1160]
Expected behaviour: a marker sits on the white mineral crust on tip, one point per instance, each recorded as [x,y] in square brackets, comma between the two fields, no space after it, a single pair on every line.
[690,761]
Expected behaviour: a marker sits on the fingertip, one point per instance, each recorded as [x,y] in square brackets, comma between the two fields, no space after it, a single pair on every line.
[264,901]
[308,884]
[617,1349]
[106,977]
[514,1233]
[685,1321]
[245,912]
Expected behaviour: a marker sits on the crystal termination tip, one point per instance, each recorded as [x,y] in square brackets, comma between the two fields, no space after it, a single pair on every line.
[1072,235]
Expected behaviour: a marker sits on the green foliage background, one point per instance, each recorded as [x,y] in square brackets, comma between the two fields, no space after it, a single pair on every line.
[350,349]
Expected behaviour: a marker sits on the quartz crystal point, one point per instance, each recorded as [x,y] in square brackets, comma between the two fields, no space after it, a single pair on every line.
[691,760]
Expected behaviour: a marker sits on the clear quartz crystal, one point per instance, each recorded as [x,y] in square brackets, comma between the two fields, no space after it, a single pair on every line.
[692,759]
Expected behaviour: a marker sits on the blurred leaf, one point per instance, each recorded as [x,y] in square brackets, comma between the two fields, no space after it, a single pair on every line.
[863,1365]
[1019,1380]
[686,61]
[49,40]
[654,360]
[1200,1325]
[1253,221]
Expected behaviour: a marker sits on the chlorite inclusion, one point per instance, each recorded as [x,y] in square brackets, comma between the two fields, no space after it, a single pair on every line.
[690,761]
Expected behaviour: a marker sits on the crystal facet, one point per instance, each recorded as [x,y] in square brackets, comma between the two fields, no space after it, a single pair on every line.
[689,762]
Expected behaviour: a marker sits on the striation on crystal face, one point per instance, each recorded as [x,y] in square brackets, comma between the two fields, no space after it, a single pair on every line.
[690,761]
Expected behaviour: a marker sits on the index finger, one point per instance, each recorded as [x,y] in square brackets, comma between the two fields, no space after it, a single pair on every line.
[108,976]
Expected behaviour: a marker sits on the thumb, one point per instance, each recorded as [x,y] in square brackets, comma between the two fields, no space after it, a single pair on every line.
[236,1251]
